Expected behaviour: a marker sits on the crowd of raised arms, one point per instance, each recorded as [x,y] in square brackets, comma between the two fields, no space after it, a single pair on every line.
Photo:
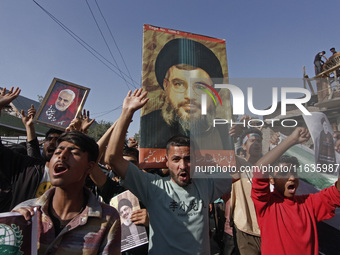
[69,185]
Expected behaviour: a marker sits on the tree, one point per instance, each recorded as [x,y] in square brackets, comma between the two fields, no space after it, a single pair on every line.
[137,136]
[98,129]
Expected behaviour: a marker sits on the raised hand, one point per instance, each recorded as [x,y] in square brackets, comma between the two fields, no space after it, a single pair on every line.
[74,125]
[132,143]
[275,139]
[12,94]
[300,135]
[81,123]
[28,120]
[85,121]
[135,100]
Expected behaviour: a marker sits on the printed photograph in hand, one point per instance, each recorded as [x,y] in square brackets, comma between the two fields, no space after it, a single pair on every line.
[132,235]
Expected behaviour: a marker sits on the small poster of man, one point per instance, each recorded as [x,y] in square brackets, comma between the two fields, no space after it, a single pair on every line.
[17,236]
[322,135]
[62,103]
[131,235]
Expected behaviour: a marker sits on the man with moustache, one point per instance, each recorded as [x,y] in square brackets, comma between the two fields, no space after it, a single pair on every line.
[58,113]
[183,68]
[178,205]
[24,177]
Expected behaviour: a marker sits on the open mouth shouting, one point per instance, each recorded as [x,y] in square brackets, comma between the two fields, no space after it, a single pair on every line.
[59,168]
[184,177]
[290,188]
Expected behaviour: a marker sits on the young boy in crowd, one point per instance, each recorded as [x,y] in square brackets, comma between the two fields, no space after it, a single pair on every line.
[70,218]
[288,221]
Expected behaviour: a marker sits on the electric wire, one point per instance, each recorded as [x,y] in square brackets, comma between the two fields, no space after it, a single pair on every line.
[107,45]
[82,42]
[100,114]
[114,40]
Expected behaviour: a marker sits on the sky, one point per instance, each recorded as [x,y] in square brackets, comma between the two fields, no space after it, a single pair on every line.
[264,39]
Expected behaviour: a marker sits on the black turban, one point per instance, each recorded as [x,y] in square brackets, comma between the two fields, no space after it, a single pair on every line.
[123,202]
[186,51]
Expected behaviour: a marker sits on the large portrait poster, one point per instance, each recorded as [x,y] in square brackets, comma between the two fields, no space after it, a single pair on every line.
[180,72]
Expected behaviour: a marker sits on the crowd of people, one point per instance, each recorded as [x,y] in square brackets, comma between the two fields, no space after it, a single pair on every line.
[74,173]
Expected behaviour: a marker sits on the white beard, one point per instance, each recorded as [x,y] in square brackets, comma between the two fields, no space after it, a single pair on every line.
[127,222]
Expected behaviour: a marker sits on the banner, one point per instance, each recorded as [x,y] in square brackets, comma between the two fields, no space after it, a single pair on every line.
[180,72]
[17,236]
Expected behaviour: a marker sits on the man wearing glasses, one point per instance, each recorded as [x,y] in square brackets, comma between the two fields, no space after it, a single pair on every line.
[183,69]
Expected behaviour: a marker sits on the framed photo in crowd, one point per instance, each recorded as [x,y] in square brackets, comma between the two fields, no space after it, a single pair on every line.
[61,104]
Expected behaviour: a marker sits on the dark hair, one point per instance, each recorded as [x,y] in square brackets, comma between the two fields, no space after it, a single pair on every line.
[332,48]
[84,142]
[249,131]
[123,202]
[178,140]
[324,52]
[289,160]
[53,131]
[130,151]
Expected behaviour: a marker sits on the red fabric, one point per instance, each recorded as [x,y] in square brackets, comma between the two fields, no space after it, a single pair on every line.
[288,226]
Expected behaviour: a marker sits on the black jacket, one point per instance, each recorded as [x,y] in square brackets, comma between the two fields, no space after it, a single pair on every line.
[20,176]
